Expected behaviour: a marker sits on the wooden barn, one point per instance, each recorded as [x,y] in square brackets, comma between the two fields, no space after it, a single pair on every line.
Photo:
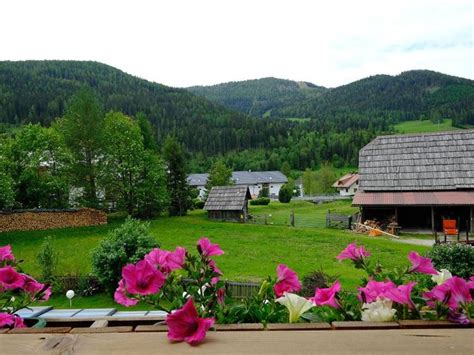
[422,182]
[228,203]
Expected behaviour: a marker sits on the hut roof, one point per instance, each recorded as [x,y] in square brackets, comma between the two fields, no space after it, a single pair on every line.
[418,162]
[227,198]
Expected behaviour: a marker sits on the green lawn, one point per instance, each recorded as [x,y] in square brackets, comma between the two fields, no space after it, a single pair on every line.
[424,126]
[251,251]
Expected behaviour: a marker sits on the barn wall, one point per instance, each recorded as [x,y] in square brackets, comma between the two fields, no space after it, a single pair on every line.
[227,215]
[50,219]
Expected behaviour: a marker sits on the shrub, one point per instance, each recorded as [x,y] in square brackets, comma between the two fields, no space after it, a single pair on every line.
[457,258]
[126,244]
[285,194]
[264,192]
[314,280]
[261,201]
[47,259]
[198,204]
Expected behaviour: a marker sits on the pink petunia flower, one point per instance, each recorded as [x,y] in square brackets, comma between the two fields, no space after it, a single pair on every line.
[207,249]
[185,324]
[221,296]
[375,289]
[454,292]
[6,319]
[121,297]
[11,320]
[142,278]
[212,264]
[401,294]
[10,278]
[33,287]
[353,253]
[421,264]
[166,260]
[327,296]
[6,253]
[18,323]
[287,281]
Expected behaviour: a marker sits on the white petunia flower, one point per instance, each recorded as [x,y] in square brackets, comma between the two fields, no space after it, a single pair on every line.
[442,276]
[378,311]
[296,305]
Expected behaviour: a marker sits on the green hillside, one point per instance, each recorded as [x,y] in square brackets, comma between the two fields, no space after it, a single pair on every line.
[259,97]
[403,97]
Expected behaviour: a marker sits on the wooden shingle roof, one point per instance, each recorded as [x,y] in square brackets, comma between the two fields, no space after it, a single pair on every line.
[418,162]
[227,198]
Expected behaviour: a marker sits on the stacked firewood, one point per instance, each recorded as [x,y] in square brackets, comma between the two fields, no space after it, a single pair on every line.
[361,228]
[47,219]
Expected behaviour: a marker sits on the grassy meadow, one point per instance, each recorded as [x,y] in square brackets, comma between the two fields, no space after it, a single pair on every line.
[425,126]
[251,251]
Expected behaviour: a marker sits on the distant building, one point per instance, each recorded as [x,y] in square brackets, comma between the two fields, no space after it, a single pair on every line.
[228,203]
[348,184]
[418,180]
[254,180]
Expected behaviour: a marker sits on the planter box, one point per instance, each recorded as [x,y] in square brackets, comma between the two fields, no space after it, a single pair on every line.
[359,325]
[431,324]
[45,330]
[396,341]
[299,326]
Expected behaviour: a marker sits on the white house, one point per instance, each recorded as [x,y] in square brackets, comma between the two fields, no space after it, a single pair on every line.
[254,180]
[348,184]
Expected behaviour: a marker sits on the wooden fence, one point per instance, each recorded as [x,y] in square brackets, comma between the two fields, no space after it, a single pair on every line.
[338,221]
[242,289]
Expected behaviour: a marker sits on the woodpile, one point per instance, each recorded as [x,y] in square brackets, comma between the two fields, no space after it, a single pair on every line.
[26,220]
[361,228]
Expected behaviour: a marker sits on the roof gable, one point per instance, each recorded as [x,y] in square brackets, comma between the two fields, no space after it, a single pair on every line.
[227,198]
[436,161]
[347,180]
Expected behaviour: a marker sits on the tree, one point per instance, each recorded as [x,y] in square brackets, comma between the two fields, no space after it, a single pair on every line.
[122,160]
[179,191]
[285,194]
[325,178]
[286,168]
[7,193]
[149,140]
[40,163]
[152,195]
[132,176]
[308,182]
[82,128]
[220,175]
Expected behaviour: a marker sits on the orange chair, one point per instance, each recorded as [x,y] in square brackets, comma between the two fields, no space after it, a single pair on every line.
[450,228]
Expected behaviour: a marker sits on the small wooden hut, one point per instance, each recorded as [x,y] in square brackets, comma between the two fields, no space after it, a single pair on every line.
[228,203]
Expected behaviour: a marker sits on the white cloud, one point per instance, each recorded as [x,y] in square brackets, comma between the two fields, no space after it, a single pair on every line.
[182,43]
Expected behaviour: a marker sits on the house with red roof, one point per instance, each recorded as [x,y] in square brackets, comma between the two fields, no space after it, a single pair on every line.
[348,184]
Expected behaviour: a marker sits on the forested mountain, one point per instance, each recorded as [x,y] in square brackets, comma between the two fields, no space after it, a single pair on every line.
[342,119]
[38,92]
[259,97]
[407,96]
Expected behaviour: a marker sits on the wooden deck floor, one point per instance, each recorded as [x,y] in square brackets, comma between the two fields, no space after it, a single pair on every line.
[400,341]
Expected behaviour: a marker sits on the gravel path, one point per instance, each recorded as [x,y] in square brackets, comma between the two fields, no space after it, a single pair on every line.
[425,242]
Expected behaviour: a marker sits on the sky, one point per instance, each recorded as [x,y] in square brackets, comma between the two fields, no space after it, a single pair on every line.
[202,42]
